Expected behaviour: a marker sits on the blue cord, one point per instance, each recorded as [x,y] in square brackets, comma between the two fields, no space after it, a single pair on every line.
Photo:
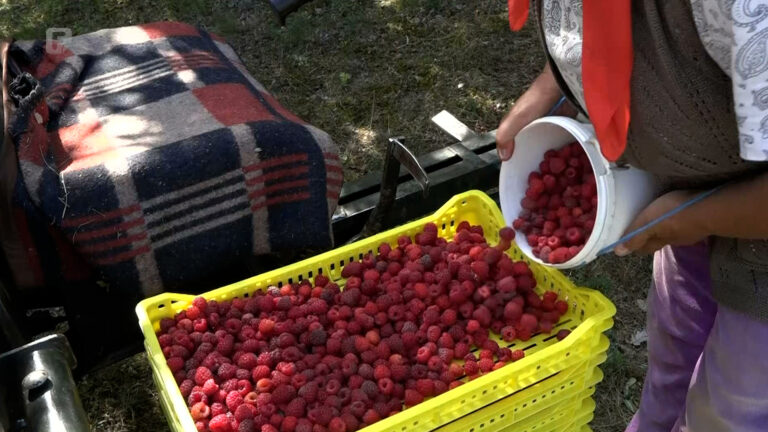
[557,106]
[661,218]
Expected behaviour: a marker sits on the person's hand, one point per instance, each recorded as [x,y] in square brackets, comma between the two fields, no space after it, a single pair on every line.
[536,102]
[678,230]
[510,125]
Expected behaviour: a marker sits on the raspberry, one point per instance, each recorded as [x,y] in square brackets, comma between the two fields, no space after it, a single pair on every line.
[220,423]
[483,316]
[529,322]
[507,233]
[508,334]
[386,386]
[413,397]
[200,411]
[266,326]
[381,371]
[480,270]
[320,416]
[251,398]
[455,370]
[423,355]
[337,425]
[296,407]
[175,364]
[460,350]
[445,341]
[234,400]
[210,387]
[562,334]
[247,425]
[473,326]
[202,374]
[517,355]
[264,385]
[353,268]
[561,307]
[485,364]
[283,394]
[426,387]
[244,412]
[471,368]
[186,387]
[247,361]
[259,372]
[435,364]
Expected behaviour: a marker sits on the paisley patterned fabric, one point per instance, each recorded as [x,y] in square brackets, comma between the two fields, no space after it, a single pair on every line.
[734,33]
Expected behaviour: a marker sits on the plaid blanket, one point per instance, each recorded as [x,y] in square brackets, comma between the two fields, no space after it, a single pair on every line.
[150,155]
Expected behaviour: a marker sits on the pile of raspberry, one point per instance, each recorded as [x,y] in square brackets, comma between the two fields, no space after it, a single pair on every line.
[559,206]
[412,322]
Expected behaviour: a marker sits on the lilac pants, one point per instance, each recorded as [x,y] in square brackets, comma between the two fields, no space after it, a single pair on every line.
[707,364]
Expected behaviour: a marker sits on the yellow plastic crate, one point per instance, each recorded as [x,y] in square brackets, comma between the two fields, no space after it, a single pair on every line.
[547,365]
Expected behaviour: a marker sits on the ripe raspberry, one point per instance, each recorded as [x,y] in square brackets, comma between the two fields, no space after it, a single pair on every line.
[296,407]
[529,321]
[455,370]
[381,371]
[517,355]
[413,397]
[244,412]
[175,364]
[202,374]
[435,364]
[508,334]
[264,385]
[507,233]
[260,372]
[200,411]
[354,268]
[220,423]
[471,368]
[483,316]
[460,350]
[283,394]
[473,326]
[210,387]
[485,364]
[247,361]
[234,400]
[426,387]
[561,307]
[485,354]
[251,398]
[562,334]
[386,386]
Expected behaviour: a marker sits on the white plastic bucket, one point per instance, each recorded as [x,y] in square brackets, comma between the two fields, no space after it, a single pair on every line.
[622,192]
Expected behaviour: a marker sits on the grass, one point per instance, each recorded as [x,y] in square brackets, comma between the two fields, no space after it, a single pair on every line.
[362,71]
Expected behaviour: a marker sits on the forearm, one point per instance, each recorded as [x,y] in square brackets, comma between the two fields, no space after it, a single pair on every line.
[739,210]
[539,98]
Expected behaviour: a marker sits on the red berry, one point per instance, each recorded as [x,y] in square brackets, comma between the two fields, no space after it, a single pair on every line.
[220,423]
[517,355]
[556,165]
[413,397]
[562,334]
[200,411]
[202,374]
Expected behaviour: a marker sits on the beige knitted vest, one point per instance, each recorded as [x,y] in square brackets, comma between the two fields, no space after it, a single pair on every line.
[683,130]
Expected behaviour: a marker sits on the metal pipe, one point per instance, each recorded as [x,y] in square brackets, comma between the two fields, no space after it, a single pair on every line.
[40,374]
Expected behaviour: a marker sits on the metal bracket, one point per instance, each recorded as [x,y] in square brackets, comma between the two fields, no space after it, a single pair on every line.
[397,154]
